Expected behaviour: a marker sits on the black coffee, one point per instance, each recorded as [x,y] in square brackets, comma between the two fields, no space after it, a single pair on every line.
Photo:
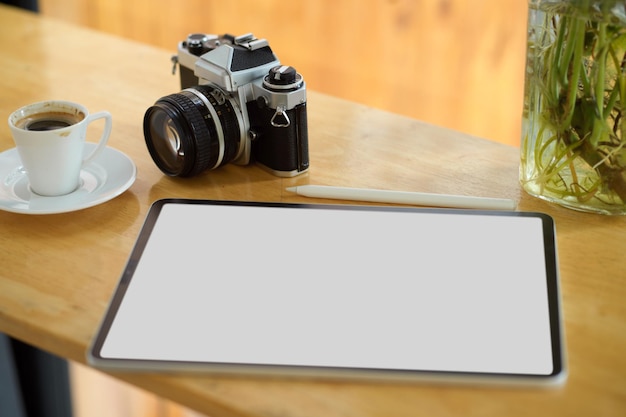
[47,125]
[49,121]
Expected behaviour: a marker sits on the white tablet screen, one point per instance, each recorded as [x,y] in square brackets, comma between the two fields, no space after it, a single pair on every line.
[337,288]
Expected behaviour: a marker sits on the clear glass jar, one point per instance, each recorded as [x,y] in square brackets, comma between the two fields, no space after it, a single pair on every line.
[573,149]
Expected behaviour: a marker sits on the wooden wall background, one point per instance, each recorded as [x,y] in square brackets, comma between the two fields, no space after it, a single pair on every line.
[454,63]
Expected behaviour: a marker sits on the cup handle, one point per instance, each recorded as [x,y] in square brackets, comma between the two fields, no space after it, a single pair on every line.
[108,123]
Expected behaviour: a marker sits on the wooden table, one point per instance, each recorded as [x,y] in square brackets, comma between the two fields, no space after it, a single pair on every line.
[58,271]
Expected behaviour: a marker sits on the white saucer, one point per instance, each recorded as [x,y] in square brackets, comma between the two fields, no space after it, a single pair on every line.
[108,175]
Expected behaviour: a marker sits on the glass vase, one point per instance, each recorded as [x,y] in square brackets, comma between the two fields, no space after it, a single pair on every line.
[573,149]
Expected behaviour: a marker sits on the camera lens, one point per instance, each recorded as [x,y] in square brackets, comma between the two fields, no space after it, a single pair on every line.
[194,130]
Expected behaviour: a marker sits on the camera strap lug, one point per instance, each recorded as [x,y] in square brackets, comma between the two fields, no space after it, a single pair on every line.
[174,60]
[280,112]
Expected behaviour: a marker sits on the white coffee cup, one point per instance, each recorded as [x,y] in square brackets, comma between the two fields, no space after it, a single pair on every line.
[50,138]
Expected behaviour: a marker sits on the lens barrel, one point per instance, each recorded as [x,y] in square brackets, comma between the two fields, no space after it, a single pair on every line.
[191,131]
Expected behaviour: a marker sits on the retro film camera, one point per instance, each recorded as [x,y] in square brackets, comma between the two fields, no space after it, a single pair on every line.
[238,105]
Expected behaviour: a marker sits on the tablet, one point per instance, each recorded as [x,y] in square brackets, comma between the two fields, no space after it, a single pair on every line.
[331,291]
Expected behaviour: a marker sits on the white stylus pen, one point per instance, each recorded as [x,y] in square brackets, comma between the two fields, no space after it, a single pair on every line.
[403,197]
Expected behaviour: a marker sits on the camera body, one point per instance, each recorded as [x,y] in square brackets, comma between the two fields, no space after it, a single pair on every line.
[252,109]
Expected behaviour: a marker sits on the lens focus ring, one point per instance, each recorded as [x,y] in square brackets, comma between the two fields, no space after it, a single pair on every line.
[228,119]
[199,151]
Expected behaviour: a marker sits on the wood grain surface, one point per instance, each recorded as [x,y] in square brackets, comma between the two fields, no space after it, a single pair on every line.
[453,63]
[58,272]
